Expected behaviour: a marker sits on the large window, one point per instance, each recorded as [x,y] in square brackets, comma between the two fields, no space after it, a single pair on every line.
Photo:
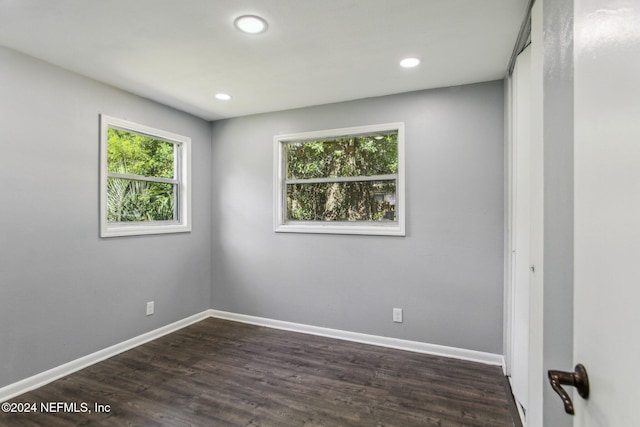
[144,180]
[344,181]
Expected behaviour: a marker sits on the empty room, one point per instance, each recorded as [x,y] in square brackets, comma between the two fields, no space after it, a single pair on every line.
[319,213]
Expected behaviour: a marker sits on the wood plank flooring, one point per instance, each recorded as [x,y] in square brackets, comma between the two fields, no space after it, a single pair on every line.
[222,373]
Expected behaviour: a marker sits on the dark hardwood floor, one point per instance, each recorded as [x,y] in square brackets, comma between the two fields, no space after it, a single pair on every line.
[221,373]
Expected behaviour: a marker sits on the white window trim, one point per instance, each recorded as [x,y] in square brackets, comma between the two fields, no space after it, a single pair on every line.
[184,182]
[396,228]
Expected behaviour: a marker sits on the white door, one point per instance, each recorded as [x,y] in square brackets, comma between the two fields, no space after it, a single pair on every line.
[607,210]
[520,227]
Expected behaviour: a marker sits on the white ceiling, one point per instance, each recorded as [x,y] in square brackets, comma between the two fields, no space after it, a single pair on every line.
[182,52]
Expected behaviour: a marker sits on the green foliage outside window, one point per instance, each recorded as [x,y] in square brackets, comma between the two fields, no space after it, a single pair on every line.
[130,200]
[350,157]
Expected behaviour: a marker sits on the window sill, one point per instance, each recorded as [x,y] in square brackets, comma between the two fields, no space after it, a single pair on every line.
[118,230]
[370,229]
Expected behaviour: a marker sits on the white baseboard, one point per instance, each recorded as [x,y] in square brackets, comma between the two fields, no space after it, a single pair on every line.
[414,346]
[523,418]
[38,380]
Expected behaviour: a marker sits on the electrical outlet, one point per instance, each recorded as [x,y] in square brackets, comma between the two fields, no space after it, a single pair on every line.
[150,308]
[397,315]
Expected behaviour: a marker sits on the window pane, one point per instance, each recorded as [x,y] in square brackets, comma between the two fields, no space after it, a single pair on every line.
[136,154]
[135,201]
[342,201]
[345,157]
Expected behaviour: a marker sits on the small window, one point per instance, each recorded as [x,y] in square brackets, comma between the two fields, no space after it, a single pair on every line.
[144,180]
[341,181]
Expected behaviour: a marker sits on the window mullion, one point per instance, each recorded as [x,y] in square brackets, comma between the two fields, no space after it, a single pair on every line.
[388,177]
[142,178]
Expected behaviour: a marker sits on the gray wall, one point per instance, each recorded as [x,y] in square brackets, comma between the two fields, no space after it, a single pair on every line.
[447,273]
[558,200]
[65,292]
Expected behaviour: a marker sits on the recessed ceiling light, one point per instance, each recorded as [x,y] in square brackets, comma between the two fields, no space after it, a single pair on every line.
[223,96]
[409,62]
[251,24]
